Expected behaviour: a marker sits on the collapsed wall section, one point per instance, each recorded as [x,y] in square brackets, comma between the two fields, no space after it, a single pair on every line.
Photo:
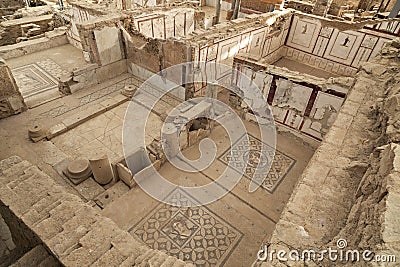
[349,188]
[300,103]
[11,101]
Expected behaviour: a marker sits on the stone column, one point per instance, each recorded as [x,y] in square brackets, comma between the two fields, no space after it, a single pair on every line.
[102,170]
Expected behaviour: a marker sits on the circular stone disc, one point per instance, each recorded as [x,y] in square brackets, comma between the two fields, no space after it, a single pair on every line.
[78,167]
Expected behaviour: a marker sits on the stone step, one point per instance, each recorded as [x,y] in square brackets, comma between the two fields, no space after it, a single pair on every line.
[32,258]
[50,261]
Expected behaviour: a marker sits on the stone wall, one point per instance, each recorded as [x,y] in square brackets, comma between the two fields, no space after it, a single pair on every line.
[163,24]
[19,238]
[305,7]
[260,36]
[335,46]
[8,7]
[6,241]
[11,101]
[11,3]
[11,30]
[51,39]
[349,189]
[72,230]
[92,34]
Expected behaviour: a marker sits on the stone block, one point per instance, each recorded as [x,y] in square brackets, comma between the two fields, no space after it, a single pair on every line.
[17,103]
[65,211]
[350,107]
[56,130]
[125,175]
[108,44]
[102,232]
[84,256]
[145,257]
[47,229]
[8,162]
[336,135]
[137,160]
[32,257]
[13,171]
[343,120]
[89,189]
[32,217]
[157,164]
[128,245]
[10,244]
[113,257]
[158,259]
[169,262]
[62,243]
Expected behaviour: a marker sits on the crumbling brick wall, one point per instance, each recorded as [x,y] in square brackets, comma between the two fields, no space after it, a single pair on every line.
[11,30]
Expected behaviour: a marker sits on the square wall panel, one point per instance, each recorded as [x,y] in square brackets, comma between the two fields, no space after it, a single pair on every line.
[304,33]
[343,46]
[257,40]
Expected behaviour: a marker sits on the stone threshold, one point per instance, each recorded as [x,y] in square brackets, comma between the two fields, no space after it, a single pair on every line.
[82,116]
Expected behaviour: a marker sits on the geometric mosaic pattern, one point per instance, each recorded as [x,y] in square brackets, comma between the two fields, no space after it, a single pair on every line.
[250,151]
[33,80]
[52,68]
[194,234]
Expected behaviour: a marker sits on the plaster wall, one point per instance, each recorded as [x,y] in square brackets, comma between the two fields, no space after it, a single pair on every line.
[266,41]
[77,15]
[163,25]
[349,189]
[108,45]
[304,104]
[315,42]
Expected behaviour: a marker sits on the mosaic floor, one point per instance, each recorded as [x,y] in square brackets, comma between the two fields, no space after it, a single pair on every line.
[196,235]
[38,78]
[279,168]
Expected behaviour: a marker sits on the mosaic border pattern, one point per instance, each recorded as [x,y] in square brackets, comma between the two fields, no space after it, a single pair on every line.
[33,80]
[195,234]
[281,165]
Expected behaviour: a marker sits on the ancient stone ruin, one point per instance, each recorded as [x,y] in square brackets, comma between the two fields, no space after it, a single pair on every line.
[199,133]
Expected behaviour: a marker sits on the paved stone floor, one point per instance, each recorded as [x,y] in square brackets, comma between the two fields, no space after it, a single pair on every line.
[232,228]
